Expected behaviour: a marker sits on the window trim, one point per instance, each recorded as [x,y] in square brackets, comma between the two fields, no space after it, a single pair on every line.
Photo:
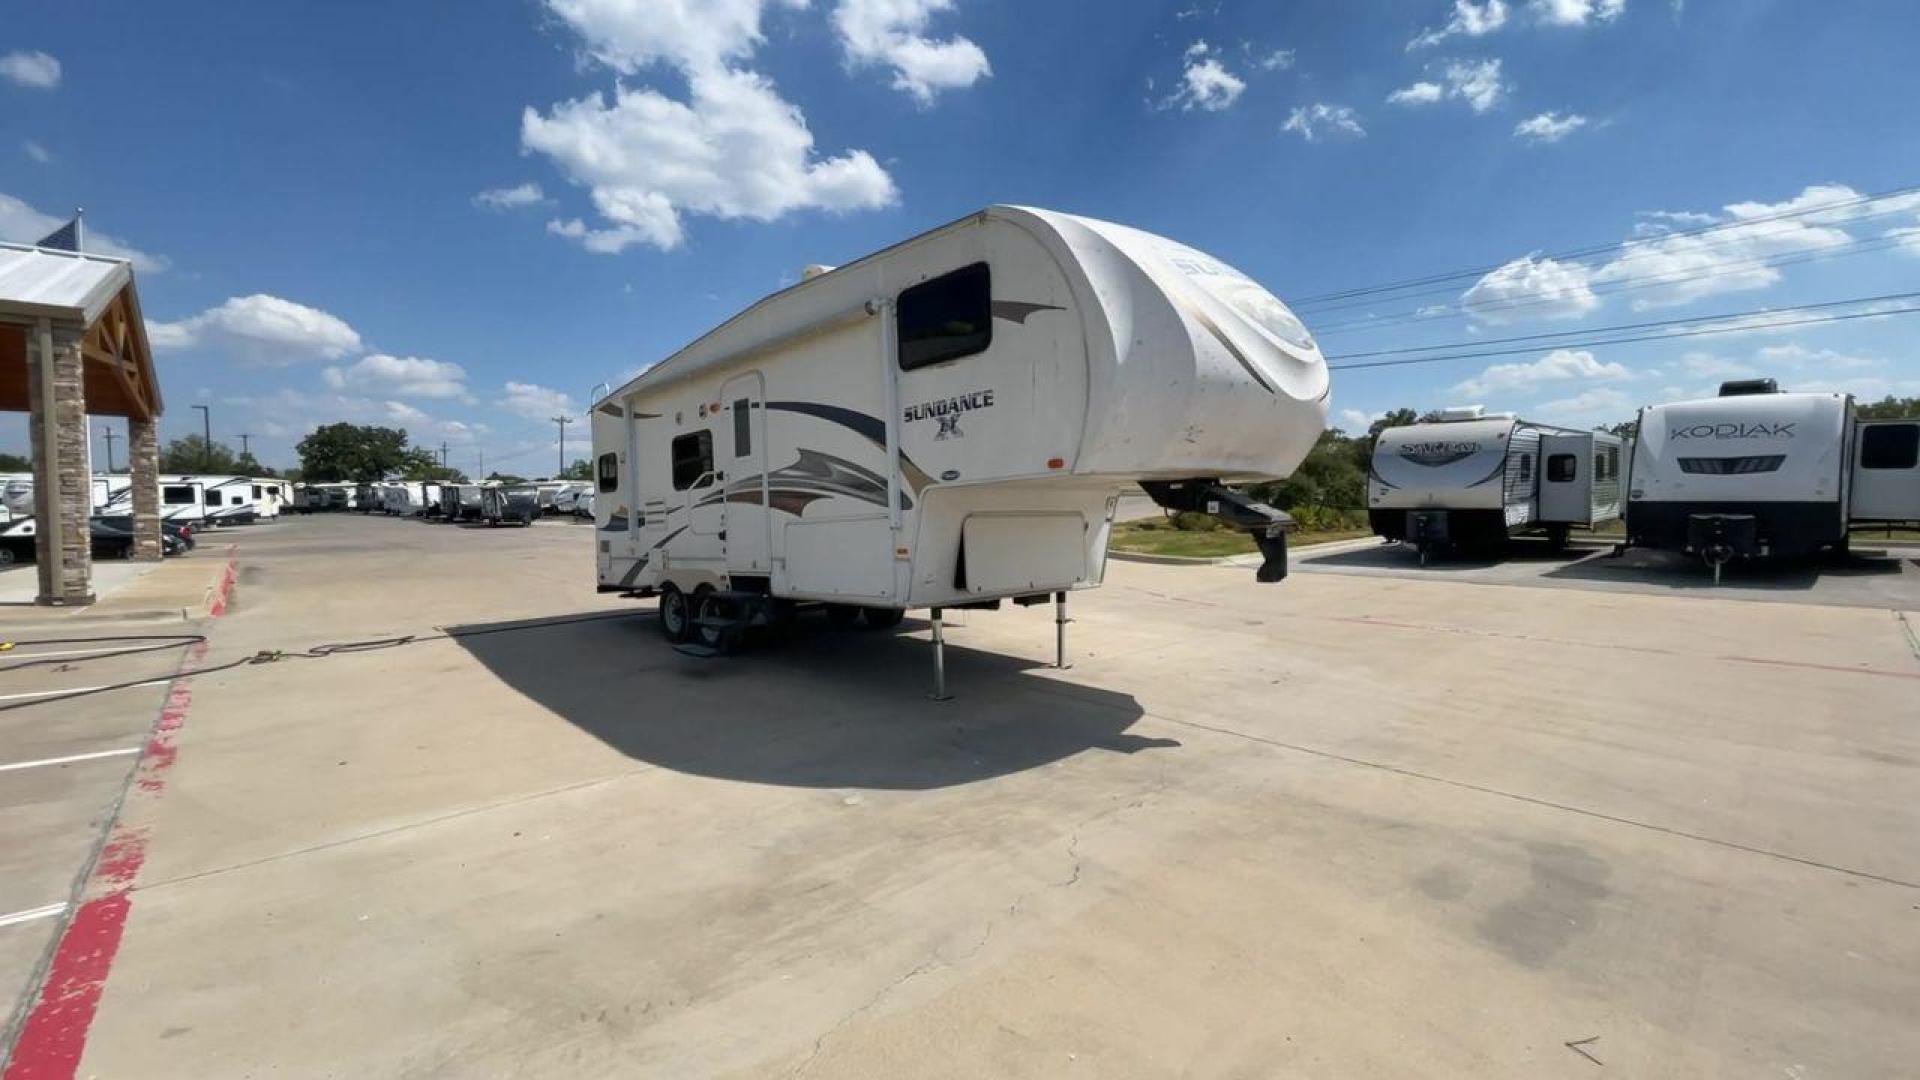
[909,294]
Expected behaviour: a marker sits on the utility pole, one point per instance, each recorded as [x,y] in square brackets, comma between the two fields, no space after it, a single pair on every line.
[245,450]
[443,453]
[563,421]
[206,437]
[107,430]
[482,474]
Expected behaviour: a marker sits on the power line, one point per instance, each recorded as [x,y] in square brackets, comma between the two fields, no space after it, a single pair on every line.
[1699,319]
[1621,285]
[1595,249]
[1703,332]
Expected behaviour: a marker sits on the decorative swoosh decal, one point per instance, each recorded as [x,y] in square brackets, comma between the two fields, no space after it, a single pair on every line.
[869,427]
[1495,474]
[1226,342]
[1016,311]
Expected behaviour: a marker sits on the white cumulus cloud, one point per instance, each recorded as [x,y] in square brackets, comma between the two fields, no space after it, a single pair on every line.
[1549,127]
[1597,405]
[30,68]
[1558,366]
[1531,288]
[1476,82]
[734,148]
[536,402]
[893,33]
[259,330]
[1576,12]
[1323,120]
[399,376]
[22,224]
[40,154]
[510,198]
[1469,19]
[1205,82]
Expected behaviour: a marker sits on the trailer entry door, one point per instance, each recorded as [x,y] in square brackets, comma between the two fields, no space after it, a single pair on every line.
[749,538]
[1566,479]
[1886,471]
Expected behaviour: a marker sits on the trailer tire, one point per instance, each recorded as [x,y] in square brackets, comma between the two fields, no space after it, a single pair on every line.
[842,616]
[676,614]
[883,618]
[1557,537]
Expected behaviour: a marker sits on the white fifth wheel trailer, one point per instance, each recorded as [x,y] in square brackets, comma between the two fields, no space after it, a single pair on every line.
[948,423]
[1474,478]
[1755,472]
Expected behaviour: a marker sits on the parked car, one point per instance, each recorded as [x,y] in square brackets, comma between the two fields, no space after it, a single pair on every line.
[110,541]
[179,532]
[583,506]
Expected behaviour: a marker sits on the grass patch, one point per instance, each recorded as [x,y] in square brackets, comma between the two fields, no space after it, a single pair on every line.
[1156,536]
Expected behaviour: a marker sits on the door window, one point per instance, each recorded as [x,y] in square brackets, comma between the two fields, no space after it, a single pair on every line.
[743,428]
[692,459]
[1561,468]
[1890,446]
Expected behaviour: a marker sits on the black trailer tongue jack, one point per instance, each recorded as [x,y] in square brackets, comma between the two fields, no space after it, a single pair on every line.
[1266,525]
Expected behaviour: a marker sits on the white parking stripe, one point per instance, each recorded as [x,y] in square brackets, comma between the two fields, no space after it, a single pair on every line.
[69,758]
[77,689]
[33,913]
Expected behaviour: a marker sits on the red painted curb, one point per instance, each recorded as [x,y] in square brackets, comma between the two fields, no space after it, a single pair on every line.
[55,1034]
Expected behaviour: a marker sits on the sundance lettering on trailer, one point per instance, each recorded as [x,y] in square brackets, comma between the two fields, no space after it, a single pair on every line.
[948,411]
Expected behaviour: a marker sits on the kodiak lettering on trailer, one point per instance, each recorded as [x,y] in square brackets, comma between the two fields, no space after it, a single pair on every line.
[948,410]
[1733,431]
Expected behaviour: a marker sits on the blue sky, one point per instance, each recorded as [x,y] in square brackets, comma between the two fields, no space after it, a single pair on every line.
[384,212]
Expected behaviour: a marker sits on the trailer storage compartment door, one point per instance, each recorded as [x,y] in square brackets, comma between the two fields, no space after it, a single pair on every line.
[1015,553]
[1886,471]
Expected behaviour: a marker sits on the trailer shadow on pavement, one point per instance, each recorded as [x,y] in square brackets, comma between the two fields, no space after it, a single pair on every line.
[816,708]
[1672,570]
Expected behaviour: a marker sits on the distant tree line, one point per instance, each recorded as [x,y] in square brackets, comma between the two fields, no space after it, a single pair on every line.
[363,453]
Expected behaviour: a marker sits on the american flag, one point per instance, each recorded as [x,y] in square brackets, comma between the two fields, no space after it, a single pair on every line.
[64,238]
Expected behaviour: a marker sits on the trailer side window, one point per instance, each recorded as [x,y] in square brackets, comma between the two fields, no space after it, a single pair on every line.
[1526,468]
[1560,468]
[607,472]
[1890,446]
[177,495]
[692,459]
[946,317]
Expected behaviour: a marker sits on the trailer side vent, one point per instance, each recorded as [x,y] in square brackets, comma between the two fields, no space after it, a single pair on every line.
[1743,387]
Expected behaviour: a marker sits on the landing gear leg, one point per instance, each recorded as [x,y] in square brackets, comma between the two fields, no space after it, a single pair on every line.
[939,661]
[1060,631]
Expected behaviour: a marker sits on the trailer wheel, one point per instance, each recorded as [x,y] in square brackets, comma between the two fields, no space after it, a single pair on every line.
[710,610]
[841,616]
[1557,537]
[884,618]
[676,614]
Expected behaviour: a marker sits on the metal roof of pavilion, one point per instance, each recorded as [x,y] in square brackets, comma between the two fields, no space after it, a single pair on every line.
[90,296]
[44,283]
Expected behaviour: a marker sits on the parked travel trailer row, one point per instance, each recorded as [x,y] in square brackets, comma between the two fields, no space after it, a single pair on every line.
[948,423]
[197,500]
[1750,473]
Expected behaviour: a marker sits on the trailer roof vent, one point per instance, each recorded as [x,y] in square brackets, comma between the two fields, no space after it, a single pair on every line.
[1742,387]
[1462,412]
[814,270]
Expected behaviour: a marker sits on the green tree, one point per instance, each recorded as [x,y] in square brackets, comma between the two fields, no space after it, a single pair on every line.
[193,454]
[579,470]
[1626,429]
[421,464]
[356,453]
[1892,408]
[1393,418]
[15,463]
[506,478]
[248,465]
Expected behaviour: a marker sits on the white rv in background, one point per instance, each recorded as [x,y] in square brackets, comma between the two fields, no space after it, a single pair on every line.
[948,423]
[1474,479]
[1755,472]
[271,498]
[184,500]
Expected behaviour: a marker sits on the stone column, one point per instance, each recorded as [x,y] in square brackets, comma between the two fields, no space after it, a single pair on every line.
[62,488]
[143,468]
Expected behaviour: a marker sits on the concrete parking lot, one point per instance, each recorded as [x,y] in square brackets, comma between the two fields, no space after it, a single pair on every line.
[1875,575]
[1375,824]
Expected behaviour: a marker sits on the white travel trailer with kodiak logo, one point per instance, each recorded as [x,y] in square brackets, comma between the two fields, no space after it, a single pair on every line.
[948,423]
[1474,479]
[1755,472]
